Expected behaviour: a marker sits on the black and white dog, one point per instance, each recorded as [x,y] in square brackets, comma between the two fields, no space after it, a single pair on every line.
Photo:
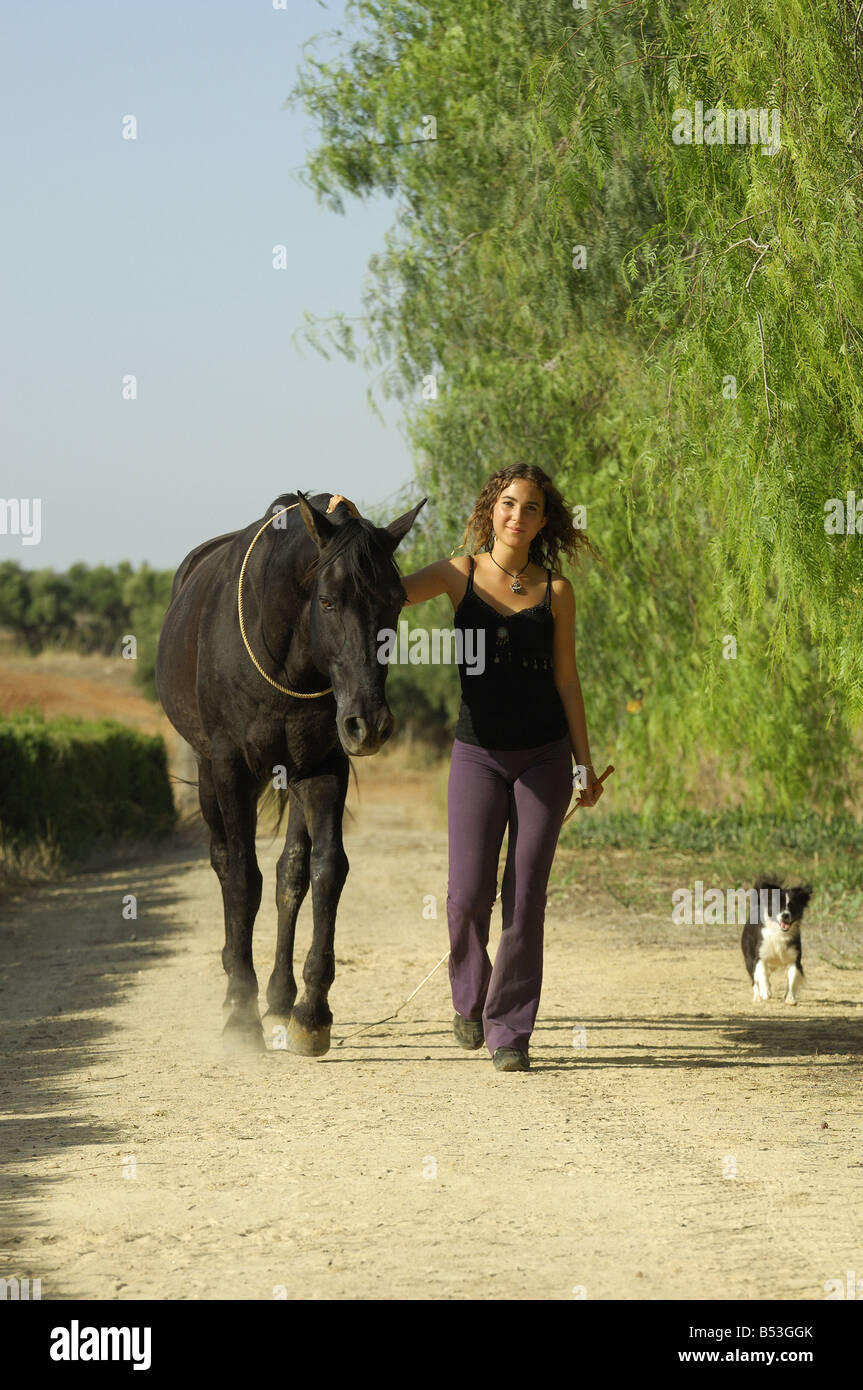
[773,941]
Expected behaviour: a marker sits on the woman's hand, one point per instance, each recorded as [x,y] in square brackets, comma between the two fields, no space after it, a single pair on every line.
[337,498]
[594,789]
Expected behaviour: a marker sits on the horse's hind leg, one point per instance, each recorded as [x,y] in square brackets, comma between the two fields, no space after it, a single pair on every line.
[213,817]
[228,797]
[292,884]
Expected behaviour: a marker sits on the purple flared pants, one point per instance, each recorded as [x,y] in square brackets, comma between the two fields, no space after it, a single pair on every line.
[530,789]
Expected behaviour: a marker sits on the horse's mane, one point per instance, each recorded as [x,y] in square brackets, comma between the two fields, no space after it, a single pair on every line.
[356,542]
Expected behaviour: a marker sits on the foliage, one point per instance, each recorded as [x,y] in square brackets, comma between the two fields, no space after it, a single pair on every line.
[726,621]
[72,783]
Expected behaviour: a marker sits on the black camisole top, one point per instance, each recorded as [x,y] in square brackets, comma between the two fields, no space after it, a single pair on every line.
[513,702]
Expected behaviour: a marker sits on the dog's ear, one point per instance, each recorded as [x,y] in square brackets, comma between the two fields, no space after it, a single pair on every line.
[803,893]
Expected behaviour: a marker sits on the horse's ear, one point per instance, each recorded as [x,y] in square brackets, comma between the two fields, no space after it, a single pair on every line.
[318,525]
[399,528]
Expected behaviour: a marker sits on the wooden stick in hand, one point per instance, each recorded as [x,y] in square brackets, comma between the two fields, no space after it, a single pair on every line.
[607,773]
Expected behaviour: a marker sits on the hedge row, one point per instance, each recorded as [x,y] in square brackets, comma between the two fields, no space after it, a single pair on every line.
[74,784]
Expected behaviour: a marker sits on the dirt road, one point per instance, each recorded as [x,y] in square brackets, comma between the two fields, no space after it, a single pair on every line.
[685,1144]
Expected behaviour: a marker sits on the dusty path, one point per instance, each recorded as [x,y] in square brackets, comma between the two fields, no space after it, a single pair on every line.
[400,1166]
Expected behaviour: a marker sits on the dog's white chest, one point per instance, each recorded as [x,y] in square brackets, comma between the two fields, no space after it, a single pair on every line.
[776,947]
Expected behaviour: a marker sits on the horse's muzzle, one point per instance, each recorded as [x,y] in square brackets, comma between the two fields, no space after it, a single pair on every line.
[362,737]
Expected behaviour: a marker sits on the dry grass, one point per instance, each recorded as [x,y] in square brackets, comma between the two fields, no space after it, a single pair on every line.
[39,863]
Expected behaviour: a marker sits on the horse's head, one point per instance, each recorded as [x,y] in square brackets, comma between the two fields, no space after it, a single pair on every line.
[354,592]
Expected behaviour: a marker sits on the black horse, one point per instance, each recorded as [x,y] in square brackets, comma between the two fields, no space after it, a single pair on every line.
[234,663]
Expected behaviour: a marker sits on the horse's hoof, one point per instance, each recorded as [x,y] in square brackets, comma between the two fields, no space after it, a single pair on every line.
[276,1024]
[308,1042]
[243,1038]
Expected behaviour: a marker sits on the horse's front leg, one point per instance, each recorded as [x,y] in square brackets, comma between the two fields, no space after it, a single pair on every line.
[323,800]
[237,794]
[292,884]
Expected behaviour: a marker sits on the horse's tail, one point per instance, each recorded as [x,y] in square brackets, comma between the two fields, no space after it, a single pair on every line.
[275,801]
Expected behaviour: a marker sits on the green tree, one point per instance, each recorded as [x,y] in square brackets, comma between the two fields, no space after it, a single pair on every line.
[50,611]
[15,605]
[146,595]
[536,299]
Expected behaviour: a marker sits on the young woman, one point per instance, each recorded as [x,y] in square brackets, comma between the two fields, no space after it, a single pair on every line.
[520,721]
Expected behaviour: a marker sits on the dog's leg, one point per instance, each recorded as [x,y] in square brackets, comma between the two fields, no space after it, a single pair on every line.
[762,984]
[794,979]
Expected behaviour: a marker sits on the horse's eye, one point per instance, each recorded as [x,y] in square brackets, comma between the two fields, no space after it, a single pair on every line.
[325,603]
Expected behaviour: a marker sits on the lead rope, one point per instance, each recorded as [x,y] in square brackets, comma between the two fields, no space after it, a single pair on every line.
[298,694]
[367,1026]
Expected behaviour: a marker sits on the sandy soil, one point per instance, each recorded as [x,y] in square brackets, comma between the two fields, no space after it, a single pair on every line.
[695,1145]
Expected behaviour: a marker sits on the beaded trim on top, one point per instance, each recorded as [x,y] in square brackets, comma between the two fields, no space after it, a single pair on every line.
[502,649]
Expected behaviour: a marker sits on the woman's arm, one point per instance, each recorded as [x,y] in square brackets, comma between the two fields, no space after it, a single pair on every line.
[436,578]
[567,682]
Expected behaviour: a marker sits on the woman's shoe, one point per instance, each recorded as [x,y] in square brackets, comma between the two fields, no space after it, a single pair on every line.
[468,1033]
[510,1059]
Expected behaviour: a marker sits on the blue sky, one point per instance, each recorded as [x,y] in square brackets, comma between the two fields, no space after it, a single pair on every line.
[154,257]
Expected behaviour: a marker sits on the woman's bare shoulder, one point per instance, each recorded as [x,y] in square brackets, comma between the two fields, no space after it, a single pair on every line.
[460,563]
[456,569]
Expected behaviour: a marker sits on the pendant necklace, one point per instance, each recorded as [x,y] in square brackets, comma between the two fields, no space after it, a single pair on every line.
[515,586]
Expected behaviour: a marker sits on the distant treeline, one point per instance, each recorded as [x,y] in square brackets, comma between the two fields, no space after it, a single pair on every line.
[87,609]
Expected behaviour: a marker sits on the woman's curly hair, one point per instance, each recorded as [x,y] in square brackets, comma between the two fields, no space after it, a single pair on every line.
[558,534]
